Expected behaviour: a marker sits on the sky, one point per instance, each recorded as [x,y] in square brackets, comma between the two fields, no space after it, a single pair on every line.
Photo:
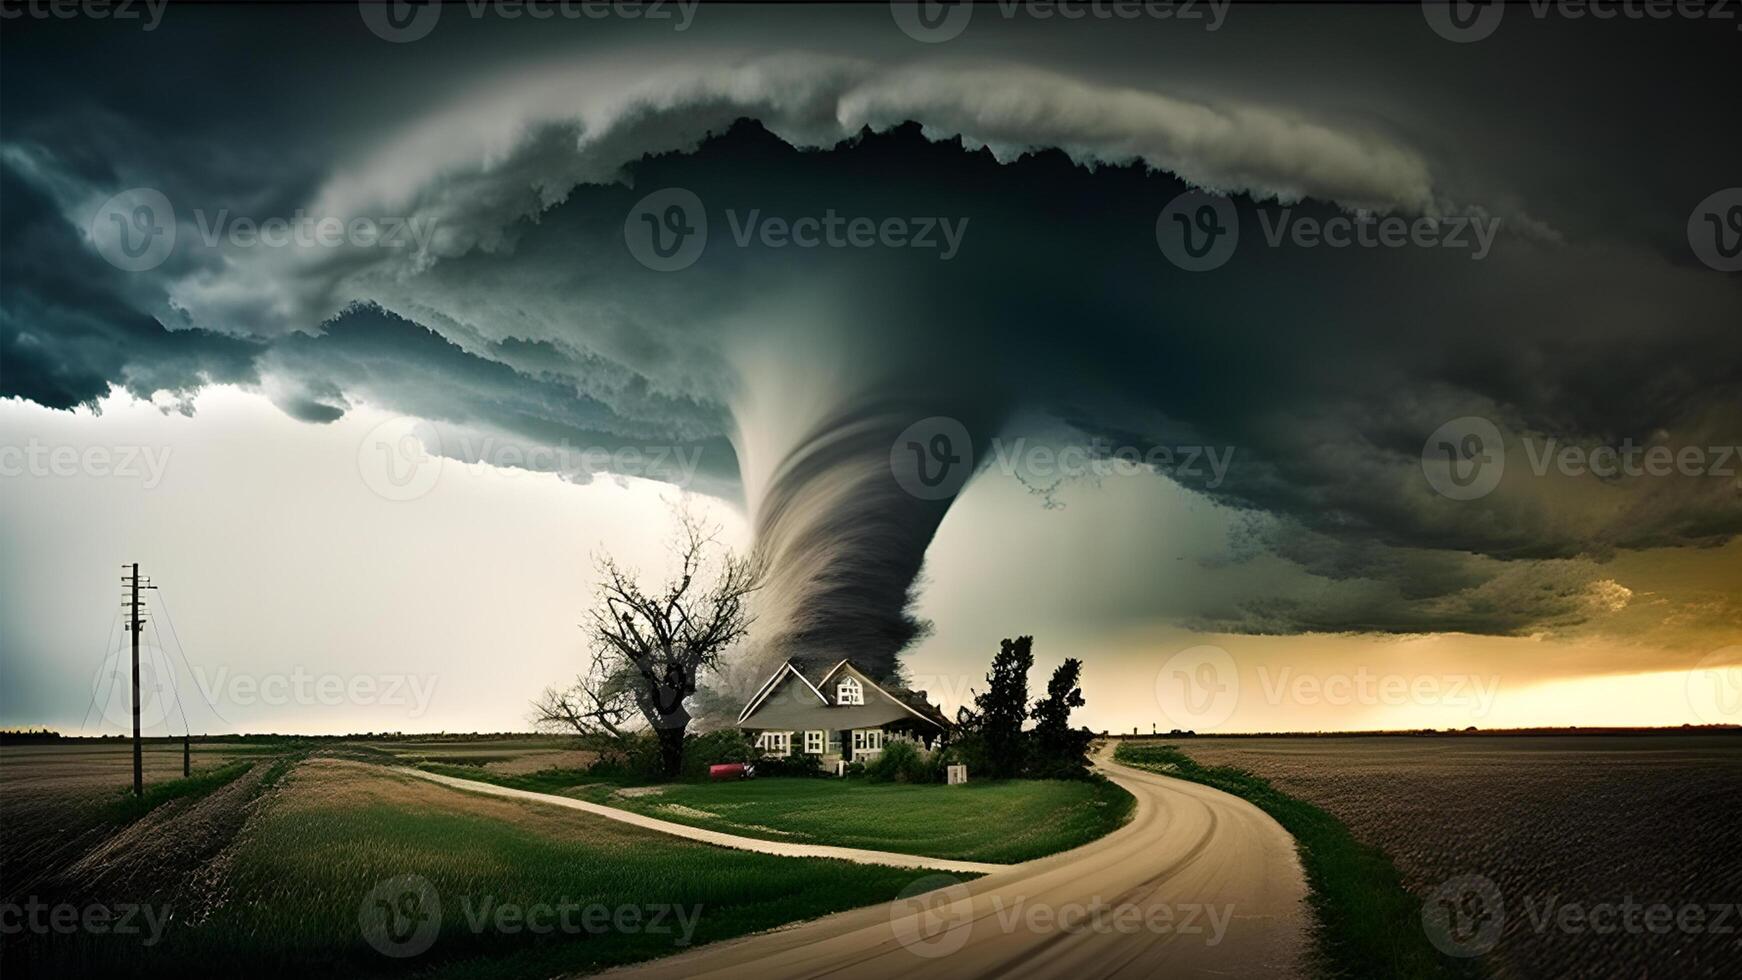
[365,351]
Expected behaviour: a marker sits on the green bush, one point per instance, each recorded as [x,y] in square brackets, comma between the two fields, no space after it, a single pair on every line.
[798,765]
[716,748]
[634,757]
[637,757]
[903,762]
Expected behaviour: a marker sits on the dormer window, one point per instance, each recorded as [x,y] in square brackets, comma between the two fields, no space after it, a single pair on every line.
[849,691]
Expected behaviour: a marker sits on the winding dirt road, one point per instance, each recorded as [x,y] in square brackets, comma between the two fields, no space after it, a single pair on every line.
[857,855]
[1199,883]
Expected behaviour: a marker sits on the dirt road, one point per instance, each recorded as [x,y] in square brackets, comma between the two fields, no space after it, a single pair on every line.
[858,855]
[1199,883]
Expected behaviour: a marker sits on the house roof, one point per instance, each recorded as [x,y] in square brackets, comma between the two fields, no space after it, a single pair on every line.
[807,706]
[769,686]
[913,701]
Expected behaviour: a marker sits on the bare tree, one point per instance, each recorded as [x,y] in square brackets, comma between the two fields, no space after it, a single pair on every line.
[651,645]
[597,704]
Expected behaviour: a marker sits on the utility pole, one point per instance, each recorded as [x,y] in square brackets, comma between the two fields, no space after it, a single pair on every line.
[135,620]
[187,768]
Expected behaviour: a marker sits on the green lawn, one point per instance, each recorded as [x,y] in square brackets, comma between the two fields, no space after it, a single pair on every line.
[1368,924]
[1001,822]
[298,889]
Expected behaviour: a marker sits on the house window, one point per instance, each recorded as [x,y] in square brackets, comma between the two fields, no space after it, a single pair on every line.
[849,691]
[867,740]
[813,743]
[775,743]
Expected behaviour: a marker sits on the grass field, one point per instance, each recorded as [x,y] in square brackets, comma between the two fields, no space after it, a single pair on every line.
[1367,923]
[1586,822]
[295,890]
[506,756]
[58,804]
[1035,817]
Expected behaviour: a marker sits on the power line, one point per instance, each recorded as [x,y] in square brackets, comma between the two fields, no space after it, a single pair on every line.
[108,650]
[163,661]
[181,651]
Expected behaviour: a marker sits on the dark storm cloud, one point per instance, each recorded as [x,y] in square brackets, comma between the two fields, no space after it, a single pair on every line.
[1325,369]
[68,329]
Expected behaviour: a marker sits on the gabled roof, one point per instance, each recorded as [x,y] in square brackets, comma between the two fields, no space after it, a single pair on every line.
[899,695]
[774,682]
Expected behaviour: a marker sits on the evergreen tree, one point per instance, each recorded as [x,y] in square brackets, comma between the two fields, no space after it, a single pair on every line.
[1060,752]
[1004,707]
